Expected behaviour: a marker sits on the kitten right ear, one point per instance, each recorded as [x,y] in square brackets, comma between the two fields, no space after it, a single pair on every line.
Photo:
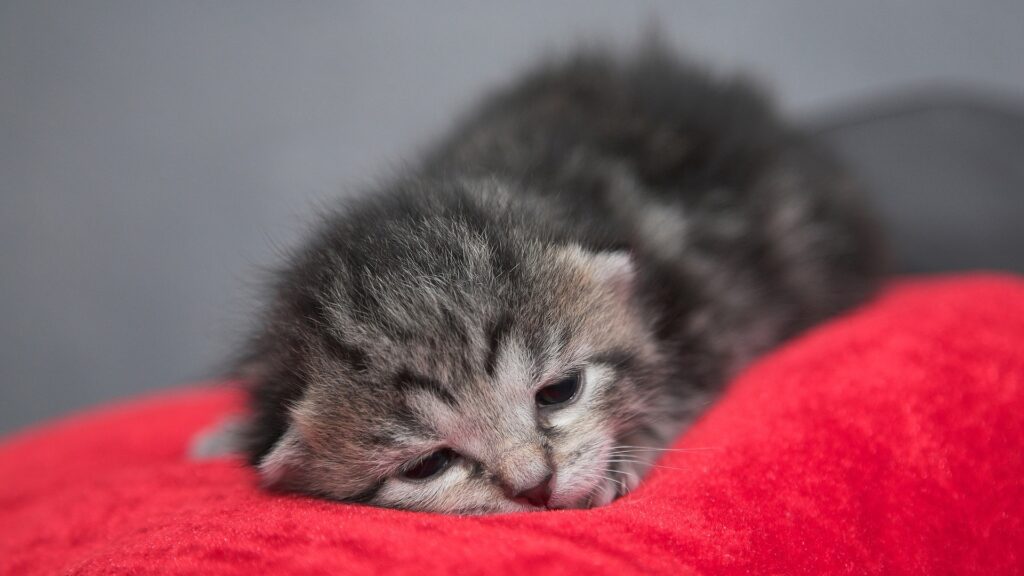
[284,467]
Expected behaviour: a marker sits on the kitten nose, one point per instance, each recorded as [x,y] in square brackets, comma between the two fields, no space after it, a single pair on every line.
[537,496]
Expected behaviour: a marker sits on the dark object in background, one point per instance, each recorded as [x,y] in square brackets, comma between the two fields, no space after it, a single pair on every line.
[946,172]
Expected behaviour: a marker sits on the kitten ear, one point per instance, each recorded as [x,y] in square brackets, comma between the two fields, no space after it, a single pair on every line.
[612,269]
[615,270]
[284,466]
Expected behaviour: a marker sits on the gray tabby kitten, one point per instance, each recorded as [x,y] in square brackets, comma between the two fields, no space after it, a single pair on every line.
[551,295]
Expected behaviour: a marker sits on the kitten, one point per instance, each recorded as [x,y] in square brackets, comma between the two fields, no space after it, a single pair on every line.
[554,292]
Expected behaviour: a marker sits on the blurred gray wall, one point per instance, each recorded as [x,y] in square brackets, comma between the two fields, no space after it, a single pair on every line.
[153,155]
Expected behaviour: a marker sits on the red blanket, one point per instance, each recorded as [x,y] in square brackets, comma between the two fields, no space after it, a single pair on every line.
[890,441]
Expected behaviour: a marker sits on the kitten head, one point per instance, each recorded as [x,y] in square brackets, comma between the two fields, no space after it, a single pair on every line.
[445,350]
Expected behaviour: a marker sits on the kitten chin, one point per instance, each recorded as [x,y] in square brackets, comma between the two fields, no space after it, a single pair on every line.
[529,316]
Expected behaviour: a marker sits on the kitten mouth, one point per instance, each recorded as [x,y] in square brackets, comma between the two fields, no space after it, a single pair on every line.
[617,477]
[591,500]
[597,496]
[605,488]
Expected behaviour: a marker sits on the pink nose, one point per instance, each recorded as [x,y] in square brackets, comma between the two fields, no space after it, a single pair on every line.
[537,496]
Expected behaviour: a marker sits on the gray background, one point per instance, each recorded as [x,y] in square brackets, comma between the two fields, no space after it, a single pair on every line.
[153,156]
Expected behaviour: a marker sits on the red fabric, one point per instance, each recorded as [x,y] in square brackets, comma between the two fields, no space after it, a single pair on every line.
[887,442]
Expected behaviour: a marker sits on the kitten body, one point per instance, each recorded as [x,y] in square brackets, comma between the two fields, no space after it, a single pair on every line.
[553,292]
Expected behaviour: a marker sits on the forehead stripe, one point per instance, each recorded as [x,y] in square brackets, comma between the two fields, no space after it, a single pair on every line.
[350,355]
[499,330]
[406,381]
[617,359]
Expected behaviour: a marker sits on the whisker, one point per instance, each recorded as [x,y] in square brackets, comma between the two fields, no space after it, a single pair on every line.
[652,449]
[646,464]
[590,476]
[622,486]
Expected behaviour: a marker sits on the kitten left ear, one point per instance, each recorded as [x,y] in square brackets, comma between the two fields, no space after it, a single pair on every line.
[282,467]
[615,270]
[612,269]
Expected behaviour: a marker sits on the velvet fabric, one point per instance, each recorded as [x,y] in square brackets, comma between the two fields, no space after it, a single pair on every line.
[888,441]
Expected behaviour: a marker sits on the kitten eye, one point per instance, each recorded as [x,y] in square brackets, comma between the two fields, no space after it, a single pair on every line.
[560,392]
[431,466]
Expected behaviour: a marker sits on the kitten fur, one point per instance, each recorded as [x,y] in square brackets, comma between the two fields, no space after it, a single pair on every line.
[633,220]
